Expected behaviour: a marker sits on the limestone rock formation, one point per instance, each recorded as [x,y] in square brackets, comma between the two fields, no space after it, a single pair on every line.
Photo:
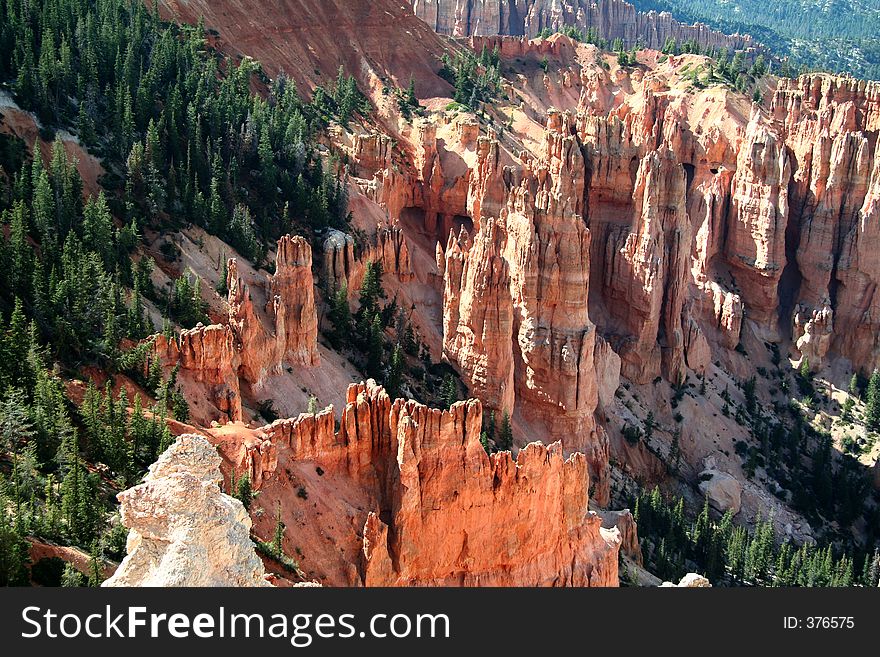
[339,260]
[289,311]
[646,276]
[690,581]
[478,317]
[759,211]
[723,490]
[828,123]
[292,300]
[208,358]
[516,319]
[183,530]
[434,508]
[607,371]
[629,535]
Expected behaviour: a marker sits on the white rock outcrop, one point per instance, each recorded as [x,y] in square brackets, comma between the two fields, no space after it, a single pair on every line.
[183,530]
[723,490]
[689,581]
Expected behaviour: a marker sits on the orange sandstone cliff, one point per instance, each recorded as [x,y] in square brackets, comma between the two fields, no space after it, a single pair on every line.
[402,494]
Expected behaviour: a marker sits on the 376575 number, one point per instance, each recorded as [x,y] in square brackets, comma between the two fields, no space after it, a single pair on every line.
[829,622]
[819,623]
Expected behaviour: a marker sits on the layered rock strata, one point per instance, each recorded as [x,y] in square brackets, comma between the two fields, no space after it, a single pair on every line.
[611,19]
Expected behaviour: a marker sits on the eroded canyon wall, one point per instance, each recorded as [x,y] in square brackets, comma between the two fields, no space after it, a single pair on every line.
[665,223]
[430,505]
[612,19]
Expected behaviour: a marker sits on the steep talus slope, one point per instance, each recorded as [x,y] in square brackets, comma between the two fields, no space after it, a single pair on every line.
[302,38]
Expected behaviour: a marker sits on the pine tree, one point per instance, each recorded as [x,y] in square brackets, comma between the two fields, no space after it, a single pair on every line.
[15,425]
[872,570]
[505,435]
[449,391]
[804,370]
[854,386]
[340,318]
[371,289]
[13,551]
[72,578]
[411,99]
[243,491]
[872,401]
[490,426]
[650,425]
[278,535]
[749,390]
[395,373]
[95,559]
[375,348]
[675,451]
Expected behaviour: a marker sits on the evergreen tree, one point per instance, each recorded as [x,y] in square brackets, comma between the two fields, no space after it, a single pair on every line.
[449,391]
[371,290]
[375,348]
[505,434]
[650,425]
[394,380]
[872,402]
[855,387]
[243,491]
[278,534]
[340,318]
[13,551]
[72,578]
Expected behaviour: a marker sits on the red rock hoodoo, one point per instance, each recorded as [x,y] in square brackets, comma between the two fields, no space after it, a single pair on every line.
[430,507]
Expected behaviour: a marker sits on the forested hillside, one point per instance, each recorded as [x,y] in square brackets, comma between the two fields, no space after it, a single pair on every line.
[837,35]
[186,136]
